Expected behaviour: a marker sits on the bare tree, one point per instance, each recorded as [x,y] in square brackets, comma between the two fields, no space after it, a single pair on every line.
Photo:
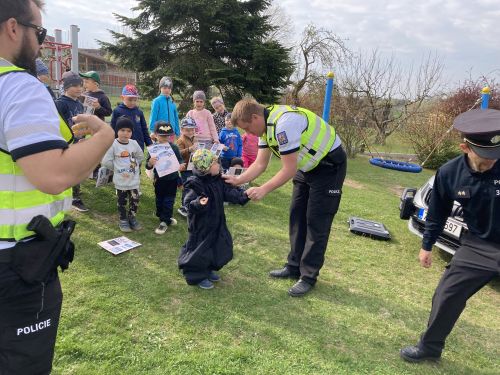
[318,50]
[392,95]
[284,29]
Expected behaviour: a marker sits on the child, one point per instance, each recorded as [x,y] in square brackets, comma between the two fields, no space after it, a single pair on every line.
[163,108]
[69,106]
[165,186]
[209,246]
[219,114]
[187,146]
[205,127]
[42,73]
[129,108]
[231,139]
[124,157]
[250,148]
[91,83]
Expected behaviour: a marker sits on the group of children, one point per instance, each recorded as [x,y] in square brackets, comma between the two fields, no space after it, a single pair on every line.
[209,246]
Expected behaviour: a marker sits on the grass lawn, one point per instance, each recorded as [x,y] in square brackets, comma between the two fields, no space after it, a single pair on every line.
[134,313]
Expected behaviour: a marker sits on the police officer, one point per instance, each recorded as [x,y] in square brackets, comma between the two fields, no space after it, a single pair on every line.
[473,180]
[37,169]
[311,154]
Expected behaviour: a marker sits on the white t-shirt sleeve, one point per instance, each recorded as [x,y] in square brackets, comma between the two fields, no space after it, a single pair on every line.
[29,122]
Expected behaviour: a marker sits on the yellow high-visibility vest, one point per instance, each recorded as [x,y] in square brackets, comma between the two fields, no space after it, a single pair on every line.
[315,142]
[20,201]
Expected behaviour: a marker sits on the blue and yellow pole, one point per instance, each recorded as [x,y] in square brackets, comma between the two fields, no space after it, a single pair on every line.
[485,97]
[328,96]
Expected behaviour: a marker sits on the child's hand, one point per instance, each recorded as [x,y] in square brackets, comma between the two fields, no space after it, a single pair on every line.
[225,148]
[153,137]
[182,167]
[153,161]
[203,201]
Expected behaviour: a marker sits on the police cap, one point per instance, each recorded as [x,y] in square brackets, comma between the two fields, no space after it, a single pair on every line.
[481,130]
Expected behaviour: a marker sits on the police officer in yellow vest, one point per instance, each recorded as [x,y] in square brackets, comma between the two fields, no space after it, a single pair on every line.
[311,154]
[37,170]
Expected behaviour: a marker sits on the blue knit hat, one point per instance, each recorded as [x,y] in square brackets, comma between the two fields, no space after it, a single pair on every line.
[41,68]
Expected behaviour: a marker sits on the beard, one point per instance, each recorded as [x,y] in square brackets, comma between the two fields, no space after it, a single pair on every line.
[26,57]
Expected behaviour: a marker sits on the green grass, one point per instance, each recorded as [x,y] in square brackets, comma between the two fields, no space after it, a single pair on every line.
[134,314]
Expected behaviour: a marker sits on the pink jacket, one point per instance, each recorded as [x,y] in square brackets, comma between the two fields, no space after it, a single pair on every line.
[205,126]
[250,145]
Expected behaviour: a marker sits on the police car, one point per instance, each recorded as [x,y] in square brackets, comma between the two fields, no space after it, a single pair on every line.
[413,207]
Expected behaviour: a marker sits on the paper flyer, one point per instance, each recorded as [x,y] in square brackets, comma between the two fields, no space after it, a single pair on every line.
[167,161]
[103,177]
[118,245]
[88,104]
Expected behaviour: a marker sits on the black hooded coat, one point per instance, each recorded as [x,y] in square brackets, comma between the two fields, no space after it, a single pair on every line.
[209,245]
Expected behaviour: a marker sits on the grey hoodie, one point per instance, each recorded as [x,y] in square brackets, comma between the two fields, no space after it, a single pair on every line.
[124,160]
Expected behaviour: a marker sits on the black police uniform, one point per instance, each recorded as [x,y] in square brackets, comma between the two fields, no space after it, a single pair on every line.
[30,317]
[315,200]
[477,260]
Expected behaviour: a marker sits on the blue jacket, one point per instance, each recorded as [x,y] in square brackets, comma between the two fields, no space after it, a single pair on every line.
[68,108]
[232,139]
[163,108]
[140,133]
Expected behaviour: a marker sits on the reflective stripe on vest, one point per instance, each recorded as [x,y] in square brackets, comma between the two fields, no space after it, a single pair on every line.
[20,201]
[315,142]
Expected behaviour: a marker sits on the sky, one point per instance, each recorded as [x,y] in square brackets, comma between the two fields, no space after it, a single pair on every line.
[463,33]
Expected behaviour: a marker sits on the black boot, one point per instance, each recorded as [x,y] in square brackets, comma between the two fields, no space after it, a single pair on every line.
[415,354]
[300,288]
[284,273]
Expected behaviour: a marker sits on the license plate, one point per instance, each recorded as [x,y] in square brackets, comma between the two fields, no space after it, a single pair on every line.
[450,227]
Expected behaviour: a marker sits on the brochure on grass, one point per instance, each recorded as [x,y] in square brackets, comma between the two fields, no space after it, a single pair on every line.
[167,161]
[118,245]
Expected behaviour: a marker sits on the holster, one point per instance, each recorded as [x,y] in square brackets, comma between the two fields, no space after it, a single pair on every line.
[37,259]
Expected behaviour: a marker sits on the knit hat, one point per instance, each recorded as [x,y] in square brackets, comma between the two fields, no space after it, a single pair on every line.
[41,68]
[163,128]
[71,79]
[92,75]
[130,90]
[188,123]
[199,95]
[124,122]
[203,160]
[166,82]
[237,161]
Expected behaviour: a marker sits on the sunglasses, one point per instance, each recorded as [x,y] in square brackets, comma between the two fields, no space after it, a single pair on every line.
[40,31]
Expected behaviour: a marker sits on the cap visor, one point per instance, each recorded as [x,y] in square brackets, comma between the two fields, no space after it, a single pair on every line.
[491,153]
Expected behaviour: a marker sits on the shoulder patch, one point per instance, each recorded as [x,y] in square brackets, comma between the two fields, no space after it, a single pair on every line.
[282,138]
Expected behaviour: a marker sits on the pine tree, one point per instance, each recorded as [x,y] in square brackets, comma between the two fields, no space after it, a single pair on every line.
[203,43]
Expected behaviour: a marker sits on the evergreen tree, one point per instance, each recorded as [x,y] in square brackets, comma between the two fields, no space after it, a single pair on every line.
[203,43]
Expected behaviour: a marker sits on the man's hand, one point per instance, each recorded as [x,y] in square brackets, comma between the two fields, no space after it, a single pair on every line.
[88,124]
[256,193]
[425,258]
[231,179]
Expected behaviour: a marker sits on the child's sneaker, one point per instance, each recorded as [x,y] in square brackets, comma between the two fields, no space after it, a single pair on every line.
[213,277]
[173,221]
[79,206]
[162,228]
[182,211]
[134,224]
[124,226]
[206,284]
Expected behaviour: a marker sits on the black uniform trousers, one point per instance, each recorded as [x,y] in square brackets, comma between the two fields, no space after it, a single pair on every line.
[29,317]
[474,264]
[315,201]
